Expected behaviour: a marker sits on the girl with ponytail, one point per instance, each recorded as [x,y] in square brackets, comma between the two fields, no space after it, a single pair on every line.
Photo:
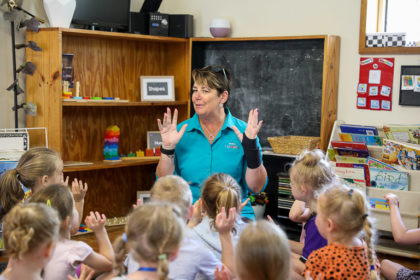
[343,219]
[152,235]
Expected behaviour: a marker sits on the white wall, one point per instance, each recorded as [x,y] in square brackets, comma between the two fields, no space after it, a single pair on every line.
[267,18]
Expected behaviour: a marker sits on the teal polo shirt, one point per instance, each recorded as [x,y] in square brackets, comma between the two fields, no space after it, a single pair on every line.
[196,159]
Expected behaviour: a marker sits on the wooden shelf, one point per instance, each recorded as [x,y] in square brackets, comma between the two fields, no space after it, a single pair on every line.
[99,165]
[120,104]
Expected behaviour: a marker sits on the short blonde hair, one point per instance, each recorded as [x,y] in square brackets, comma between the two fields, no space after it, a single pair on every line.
[312,170]
[154,232]
[28,226]
[263,252]
[173,189]
[349,210]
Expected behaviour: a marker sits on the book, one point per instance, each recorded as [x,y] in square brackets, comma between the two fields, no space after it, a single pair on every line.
[388,179]
[372,162]
[367,139]
[350,145]
[378,203]
[350,165]
[347,159]
[351,152]
[350,173]
[358,129]
[403,133]
[404,154]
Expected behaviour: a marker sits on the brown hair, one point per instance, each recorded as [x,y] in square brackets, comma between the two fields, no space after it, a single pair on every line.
[60,198]
[28,226]
[312,170]
[350,212]
[263,252]
[154,232]
[216,77]
[32,165]
[173,189]
[220,190]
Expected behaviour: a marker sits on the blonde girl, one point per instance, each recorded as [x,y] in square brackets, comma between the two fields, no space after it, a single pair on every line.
[262,252]
[219,190]
[36,169]
[30,232]
[153,235]
[342,218]
[69,254]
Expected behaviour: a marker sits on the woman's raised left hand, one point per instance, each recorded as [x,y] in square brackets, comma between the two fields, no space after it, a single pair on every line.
[252,128]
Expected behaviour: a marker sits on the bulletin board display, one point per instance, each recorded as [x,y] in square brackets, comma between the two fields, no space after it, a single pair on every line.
[374,91]
[410,85]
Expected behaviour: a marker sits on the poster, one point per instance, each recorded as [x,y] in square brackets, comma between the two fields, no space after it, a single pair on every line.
[376,76]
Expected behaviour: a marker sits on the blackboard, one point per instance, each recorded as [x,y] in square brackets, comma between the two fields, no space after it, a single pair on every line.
[282,78]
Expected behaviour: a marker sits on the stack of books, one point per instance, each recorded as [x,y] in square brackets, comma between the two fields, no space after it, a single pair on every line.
[285,197]
[360,133]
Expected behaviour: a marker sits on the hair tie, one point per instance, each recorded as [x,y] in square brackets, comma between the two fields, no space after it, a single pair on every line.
[48,203]
[364,216]
[124,237]
[17,174]
[372,267]
[351,192]
[162,257]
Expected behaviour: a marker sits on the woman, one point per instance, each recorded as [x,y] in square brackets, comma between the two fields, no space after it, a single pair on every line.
[212,141]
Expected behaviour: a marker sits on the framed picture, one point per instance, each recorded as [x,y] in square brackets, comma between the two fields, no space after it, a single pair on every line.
[157,88]
[143,196]
[153,139]
[410,85]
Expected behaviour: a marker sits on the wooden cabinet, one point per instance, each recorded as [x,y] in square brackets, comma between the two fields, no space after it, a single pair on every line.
[106,65]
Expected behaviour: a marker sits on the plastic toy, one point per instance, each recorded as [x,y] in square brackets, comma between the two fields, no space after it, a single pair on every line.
[112,135]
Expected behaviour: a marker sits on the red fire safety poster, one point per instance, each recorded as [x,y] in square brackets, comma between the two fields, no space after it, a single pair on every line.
[374,90]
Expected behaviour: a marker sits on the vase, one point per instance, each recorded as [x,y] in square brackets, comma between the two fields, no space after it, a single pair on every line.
[220,27]
[59,12]
[259,211]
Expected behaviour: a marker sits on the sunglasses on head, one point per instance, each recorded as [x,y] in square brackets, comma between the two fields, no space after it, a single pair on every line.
[220,70]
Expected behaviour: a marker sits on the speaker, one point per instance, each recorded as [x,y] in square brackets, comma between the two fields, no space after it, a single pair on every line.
[181,26]
[158,24]
[138,23]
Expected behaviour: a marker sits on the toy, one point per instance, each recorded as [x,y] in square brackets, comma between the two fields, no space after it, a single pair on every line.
[149,153]
[112,134]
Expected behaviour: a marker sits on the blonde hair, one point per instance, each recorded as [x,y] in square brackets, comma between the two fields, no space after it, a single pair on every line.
[33,164]
[154,233]
[312,170]
[348,209]
[173,189]
[28,226]
[263,252]
[220,190]
[58,197]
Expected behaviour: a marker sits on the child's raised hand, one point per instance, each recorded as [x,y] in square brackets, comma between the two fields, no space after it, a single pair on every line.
[243,204]
[392,199]
[225,224]
[78,190]
[95,221]
[86,273]
[221,274]
[137,204]
[197,214]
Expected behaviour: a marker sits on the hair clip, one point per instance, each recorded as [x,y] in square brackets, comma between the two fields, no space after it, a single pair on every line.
[162,257]
[351,192]
[364,216]
[372,267]
[124,237]
[48,203]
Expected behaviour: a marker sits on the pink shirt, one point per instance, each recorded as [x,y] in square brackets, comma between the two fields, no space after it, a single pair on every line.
[67,256]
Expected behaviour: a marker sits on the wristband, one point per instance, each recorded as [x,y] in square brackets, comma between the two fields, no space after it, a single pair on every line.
[252,152]
[167,152]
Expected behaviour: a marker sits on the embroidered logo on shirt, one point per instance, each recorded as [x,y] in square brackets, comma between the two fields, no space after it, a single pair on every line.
[231,146]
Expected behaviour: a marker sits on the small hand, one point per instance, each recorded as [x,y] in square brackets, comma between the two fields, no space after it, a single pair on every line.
[308,276]
[95,221]
[64,182]
[225,224]
[243,204]
[270,219]
[221,274]
[78,190]
[392,199]
[252,128]
[86,273]
[138,203]
[169,133]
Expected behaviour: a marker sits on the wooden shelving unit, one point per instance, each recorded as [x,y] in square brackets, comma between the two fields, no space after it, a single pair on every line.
[107,64]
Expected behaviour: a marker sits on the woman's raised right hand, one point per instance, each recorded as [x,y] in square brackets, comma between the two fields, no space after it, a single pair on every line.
[169,133]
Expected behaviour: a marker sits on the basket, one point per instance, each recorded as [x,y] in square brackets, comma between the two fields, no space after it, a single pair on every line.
[293,145]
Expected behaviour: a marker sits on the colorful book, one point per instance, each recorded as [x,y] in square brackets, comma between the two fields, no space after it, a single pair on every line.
[350,165]
[358,129]
[403,133]
[374,163]
[388,179]
[350,173]
[378,203]
[367,139]
[346,159]
[404,154]
[350,145]
[351,152]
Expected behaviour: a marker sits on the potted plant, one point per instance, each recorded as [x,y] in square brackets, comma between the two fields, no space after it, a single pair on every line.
[258,203]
